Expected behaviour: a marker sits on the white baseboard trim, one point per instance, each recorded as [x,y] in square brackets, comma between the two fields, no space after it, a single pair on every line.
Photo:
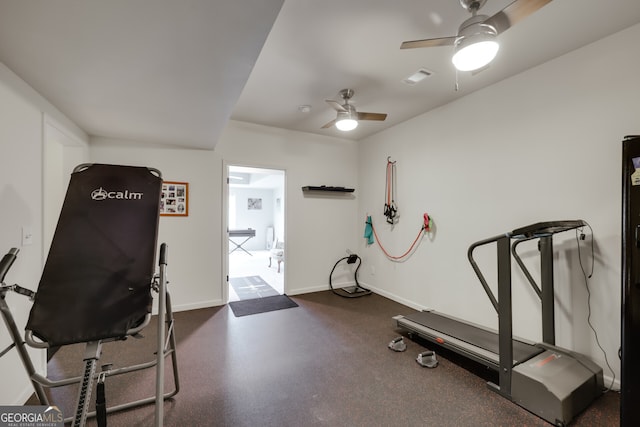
[320,288]
[395,298]
[375,290]
[197,305]
[308,290]
[191,306]
[606,379]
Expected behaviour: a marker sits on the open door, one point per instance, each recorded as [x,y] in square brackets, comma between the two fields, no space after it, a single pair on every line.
[255,231]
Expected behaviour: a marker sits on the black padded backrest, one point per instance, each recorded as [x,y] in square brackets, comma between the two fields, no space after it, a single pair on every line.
[96,281]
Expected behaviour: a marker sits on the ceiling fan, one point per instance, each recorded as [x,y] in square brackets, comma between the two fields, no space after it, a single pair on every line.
[475,44]
[348,117]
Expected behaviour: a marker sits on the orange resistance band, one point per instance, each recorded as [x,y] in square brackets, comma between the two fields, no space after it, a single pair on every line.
[404,254]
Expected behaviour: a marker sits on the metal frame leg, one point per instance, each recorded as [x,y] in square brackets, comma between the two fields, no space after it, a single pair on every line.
[166,346]
[91,357]
[159,413]
[20,347]
[505,325]
[548,297]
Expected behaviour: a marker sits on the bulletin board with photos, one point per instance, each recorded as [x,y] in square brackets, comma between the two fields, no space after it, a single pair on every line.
[174,200]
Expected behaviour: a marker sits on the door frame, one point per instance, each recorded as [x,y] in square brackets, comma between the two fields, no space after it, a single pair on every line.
[226,164]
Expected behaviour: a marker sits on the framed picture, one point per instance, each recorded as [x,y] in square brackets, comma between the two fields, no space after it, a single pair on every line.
[174,200]
[254,204]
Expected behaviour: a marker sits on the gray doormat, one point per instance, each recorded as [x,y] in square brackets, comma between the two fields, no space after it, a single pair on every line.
[261,305]
[251,287]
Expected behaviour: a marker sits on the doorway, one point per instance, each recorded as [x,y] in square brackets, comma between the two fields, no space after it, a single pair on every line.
[255,232]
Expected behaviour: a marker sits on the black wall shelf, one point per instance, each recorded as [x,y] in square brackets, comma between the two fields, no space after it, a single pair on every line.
[328,188]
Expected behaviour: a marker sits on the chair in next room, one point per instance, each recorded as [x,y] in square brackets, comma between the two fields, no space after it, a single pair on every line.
[277,252]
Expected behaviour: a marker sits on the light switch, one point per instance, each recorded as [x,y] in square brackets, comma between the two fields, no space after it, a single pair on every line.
[27,235]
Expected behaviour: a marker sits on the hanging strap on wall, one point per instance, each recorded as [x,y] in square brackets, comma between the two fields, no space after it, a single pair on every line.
[390,208]
[426,226]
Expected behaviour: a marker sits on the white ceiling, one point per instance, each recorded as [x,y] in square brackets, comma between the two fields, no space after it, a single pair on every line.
[173,72]
[163,71]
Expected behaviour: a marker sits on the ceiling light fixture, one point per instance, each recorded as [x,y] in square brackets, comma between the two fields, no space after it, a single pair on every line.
[347,117]
[346,121]
[476,45]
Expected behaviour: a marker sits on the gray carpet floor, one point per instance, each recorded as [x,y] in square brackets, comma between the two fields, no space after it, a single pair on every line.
[325,363]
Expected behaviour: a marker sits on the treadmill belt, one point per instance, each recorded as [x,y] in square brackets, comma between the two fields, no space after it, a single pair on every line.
[472,335]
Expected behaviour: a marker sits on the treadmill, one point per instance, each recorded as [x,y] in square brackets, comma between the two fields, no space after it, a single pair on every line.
[553,383]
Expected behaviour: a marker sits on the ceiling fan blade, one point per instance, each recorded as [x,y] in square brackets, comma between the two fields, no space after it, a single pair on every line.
[335,104]
[443,41]
[372,116]
[515,12]
[331,123]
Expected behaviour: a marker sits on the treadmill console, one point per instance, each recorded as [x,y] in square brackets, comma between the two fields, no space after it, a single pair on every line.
[547,228]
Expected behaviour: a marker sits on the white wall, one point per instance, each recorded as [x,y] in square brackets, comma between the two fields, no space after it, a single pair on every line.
[318,229]
[543,145]
[258,219]
[21,197]
[193,243]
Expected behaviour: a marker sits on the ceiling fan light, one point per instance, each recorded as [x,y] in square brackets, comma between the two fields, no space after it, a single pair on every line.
[475,52]
[347,120]
[346,124]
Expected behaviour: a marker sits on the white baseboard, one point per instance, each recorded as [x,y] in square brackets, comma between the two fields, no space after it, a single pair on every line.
[197,305]
[308,290]
[395,297]
[606,379]
[191,306]
[320,288]
[380,292]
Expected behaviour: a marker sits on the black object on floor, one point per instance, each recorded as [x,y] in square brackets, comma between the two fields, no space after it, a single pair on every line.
[261,305]
[251,287]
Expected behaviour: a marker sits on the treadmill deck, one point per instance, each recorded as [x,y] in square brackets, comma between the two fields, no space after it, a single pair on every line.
[477,343]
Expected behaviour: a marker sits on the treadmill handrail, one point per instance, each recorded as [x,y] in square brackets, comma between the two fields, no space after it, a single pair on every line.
[483,281]
[524,269]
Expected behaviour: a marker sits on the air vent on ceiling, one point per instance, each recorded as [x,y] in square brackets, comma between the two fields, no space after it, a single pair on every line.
[418,76]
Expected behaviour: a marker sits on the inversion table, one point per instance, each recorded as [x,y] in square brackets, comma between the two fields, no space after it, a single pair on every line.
[97,283]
